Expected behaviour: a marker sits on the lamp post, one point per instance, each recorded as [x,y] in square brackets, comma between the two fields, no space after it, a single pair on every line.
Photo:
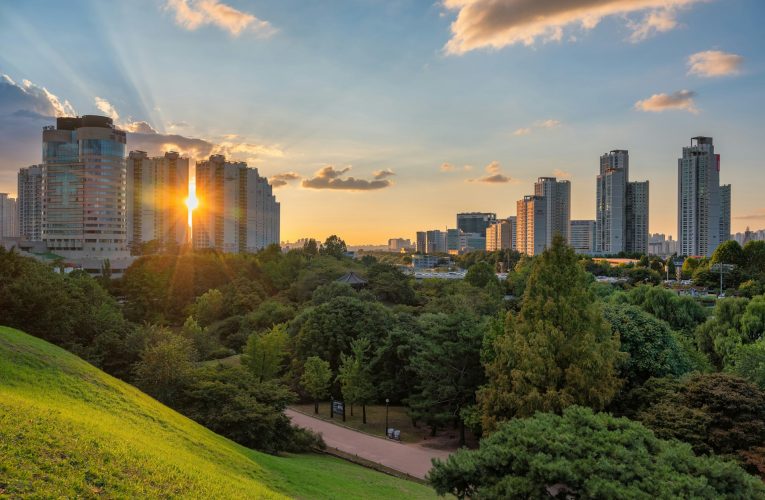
[331,406]
[387,401]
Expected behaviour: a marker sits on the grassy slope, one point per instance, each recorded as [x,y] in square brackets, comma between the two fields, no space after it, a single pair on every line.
[67,429]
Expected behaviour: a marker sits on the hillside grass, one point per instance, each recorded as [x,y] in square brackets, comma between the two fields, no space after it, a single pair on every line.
[69,430]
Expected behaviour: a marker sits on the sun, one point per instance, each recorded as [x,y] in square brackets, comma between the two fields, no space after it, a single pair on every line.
[192,202]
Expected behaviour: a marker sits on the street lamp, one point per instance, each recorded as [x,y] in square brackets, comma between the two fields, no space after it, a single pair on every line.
[387,401]
[331,406]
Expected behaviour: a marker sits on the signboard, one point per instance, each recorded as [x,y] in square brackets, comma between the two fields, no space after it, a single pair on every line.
[338,407]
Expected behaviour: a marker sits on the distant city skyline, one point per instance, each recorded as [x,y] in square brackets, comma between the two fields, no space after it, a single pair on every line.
[376,119]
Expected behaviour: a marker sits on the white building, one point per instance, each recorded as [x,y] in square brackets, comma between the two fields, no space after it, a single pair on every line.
[237,210]
[621,207]
[583,236]
[9,217]
[30,202]
[83,192]
[531,233]
[157,190]
[557,196]
[399,245]
[703,213]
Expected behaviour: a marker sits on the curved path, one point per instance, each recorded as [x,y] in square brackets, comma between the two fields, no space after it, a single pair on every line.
[407,458]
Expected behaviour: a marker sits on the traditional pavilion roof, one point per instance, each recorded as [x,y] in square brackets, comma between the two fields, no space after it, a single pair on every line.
[352,279]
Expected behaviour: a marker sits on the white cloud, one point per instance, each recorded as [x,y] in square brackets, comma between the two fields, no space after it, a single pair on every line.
[191,14]
[329,177]
[499,23]
[522,131]
[106,108]
[712,63]
[682,100]
[547,124]
[493,175]
[31,98]
[561,174]
[543,124]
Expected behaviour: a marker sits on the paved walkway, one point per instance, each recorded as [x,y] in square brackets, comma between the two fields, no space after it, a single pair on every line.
[411,459]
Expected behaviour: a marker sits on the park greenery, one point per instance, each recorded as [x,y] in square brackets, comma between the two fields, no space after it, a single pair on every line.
[232,340]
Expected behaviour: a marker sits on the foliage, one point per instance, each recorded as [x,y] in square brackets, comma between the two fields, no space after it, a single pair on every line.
[354,376]
[714,413]
[265,352]
[558,352]
[209,307]
[268,314]
[206,343]
[333,289]
[480,275]
[749,362]
[585,455]
[722,333]
[448,365]
[69,430]
[334,247]
[390,285]
[316,377]
[652,347]
[391,364]
[165,366]
[682,313]
[728,252]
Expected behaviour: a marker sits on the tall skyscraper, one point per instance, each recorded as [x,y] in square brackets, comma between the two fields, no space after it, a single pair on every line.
[531,233]
[475,222]
[421,242]
[237,210]
[157,189]
[30,202]
[83,192]
[703,208]
[583,236]
[621,207]
[557,195]
[8,217]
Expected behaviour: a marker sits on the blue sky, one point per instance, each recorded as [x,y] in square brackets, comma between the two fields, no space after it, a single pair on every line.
[403,86]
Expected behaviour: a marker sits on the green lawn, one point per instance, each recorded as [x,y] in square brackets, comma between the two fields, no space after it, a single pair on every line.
[69,430]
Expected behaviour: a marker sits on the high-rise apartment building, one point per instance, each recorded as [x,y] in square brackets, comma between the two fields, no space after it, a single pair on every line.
[237,210]
[621,207]
[501,235]
[30,202]
[157,189]
[421,243]
[557,195]
[582,236]
[8,217]
[703,211]
[475,222]
[83,192]
[399,244]
[531,233]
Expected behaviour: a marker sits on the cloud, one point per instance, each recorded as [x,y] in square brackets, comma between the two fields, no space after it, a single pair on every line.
[561,174]
[106,108]
[31,98]
[330,178]
[712,63]
[682,100]
[138,127]
[448,167]
[760,215]
[546,124]
[191,14]
[494,175]
[382,174]
[499,23]
[280,180]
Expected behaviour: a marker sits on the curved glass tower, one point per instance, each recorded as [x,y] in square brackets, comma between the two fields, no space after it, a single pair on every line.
[83,190]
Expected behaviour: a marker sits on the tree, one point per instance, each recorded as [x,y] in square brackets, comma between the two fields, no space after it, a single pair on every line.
[582,454]
[334,247]
[315,380]
[480,275]
[165,367]
[715,413]
[749,362]
[390,285]
[354,377]
[311,248]
[728,252]
[671,269]
[652,347]
[558,352]
[448,366]
[682,313]
[264,353]
[754,257]
[722,334]
[209,307]
[207,345]
[333,289]
[690,264]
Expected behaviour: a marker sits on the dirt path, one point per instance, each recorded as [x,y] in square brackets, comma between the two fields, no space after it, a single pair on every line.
[411,459]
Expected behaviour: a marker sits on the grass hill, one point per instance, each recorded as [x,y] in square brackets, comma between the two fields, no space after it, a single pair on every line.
[69,430]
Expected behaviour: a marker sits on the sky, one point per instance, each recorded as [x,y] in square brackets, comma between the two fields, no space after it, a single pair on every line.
[378,118]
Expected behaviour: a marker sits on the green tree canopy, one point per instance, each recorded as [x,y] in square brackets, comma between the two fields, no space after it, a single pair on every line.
[165,366]
[334,247]
[652,346]
[558,352]
[481,274]
[586,455]
[682,313]
[316,379]
[354,376]
[722,333]
[728,252]
[265,352]
[749,362]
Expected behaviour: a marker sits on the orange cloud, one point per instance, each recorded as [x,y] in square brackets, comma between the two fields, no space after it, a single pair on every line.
[682,100]
[191,14]
[713,63]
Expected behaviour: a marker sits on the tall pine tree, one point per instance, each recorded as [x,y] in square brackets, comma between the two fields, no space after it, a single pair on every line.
[558,351]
